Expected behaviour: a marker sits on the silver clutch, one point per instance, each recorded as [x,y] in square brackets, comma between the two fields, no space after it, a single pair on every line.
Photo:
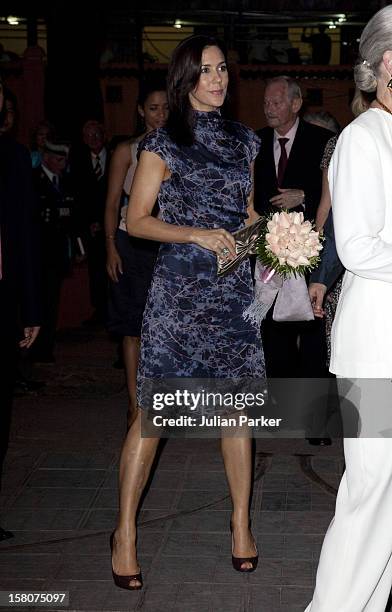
[245,242]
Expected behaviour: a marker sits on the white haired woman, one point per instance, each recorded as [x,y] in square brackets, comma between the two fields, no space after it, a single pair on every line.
[355,568]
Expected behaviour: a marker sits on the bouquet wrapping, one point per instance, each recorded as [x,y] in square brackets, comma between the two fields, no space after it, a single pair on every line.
[286,249]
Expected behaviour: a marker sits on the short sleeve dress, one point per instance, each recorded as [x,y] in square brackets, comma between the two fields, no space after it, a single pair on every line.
[193,324]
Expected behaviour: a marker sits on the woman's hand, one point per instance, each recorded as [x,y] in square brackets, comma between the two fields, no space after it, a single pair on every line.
[218,240]
[113,262]
[317,293]
[29,336]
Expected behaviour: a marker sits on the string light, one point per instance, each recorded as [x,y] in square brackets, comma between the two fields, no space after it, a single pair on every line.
[13,21]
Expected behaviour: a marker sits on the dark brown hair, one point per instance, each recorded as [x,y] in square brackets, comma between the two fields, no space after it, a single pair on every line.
[182,78]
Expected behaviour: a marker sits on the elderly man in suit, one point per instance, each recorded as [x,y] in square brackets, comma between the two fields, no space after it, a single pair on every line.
[19,271]
[90,170]
[288,176]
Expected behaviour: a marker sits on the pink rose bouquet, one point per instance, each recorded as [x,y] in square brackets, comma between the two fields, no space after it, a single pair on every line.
[287,247]
[288,244]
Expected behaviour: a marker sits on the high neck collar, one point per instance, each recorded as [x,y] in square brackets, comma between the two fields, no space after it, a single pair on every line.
[205,117]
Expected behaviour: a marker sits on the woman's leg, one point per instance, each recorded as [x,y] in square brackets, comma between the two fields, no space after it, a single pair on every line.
[237,457]
[131,350]
[137,456]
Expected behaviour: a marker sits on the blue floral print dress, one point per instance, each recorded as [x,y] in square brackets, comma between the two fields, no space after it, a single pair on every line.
[193,324]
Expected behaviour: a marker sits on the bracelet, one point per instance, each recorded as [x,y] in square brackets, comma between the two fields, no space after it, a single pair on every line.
[109,236]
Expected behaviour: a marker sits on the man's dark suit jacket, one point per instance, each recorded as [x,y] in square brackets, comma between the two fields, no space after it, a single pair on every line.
[90,194]
[302,171]
[57,210]
[19,221]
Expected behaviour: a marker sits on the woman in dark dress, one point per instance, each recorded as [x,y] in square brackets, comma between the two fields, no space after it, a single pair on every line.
[200,167]
[130,261]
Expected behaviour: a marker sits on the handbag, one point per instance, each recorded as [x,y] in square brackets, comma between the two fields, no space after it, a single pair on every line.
[245,241]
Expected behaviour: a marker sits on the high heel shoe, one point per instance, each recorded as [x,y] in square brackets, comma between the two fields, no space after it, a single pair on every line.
[123,582]
[239,561]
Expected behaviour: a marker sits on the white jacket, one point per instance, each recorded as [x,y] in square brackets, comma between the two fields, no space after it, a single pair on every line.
[360,179]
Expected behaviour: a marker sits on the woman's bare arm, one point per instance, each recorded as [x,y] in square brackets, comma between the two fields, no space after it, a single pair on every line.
[150,173]
[119,166]
[252,214]
[325,203]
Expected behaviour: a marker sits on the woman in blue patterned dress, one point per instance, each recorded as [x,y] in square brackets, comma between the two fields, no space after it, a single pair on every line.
[200,167]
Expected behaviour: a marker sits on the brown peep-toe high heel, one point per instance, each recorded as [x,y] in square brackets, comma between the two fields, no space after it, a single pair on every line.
[123,581]
[239,561]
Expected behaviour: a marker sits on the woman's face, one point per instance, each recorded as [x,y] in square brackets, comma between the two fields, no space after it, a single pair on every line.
[210,91]
[155,110]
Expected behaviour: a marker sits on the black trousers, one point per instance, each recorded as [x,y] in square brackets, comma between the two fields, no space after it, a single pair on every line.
[294,349]
[52,279]
[8,352]
[98,279]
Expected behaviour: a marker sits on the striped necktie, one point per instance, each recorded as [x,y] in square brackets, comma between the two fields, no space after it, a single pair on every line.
[97,168]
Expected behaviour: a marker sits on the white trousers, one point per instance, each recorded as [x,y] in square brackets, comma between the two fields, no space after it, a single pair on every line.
[355,567]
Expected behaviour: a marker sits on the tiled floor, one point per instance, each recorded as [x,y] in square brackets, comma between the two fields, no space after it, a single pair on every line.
[59,498]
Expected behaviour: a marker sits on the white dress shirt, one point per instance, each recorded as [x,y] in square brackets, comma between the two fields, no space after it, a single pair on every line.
[102,155]
[290,135]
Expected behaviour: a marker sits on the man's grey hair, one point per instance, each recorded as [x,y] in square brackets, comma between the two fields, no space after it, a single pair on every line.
[293,89]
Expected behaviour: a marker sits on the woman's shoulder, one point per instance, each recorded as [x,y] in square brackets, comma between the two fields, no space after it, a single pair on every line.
[246,135]
[241,129]
[368,127]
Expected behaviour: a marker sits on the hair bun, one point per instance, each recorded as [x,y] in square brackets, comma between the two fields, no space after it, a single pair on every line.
[365,77]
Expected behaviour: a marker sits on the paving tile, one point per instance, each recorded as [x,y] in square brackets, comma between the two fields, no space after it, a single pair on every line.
[154,520]
[307,522]
[29,565]
[68,460]
[301,547]
[295,598]
[26,519]
[208,480]
[298,500]
[327,465]
[161,479]
[154,500]
[269,522]
[271,546]
[268,572]
[264,599]
[100,518]
[297,573]
[205,461]
[179,570]
[173,461]
[155,596]
[59,478]
[39,541]
[274,500]
[284,464]
[50,497]
[207,521]
[14,584]
[96,595]
[197,499]
[210,597]
[14,479]
[197,544]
